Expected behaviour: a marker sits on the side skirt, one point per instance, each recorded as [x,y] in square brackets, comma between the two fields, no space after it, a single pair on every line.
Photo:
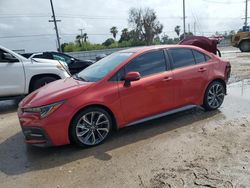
[188,107]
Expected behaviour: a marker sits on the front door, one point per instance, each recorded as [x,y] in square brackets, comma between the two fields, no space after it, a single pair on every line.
[12,78]
[150,95]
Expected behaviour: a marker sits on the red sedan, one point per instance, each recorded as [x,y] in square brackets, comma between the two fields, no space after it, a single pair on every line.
[122,89]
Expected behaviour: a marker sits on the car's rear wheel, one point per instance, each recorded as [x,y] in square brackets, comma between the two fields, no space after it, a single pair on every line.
[214,96]
[40,82]
[91,127]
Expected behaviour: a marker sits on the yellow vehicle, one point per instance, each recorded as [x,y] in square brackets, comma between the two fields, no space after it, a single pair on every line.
[241,40]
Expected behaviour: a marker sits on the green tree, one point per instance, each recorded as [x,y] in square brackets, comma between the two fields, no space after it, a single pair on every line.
[164,39]
[145,23]
[114,31]
[125,36]
[108,42]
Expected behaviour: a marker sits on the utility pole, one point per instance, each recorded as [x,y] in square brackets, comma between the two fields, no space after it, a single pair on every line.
[184,20]
[81,34]
[189,27]
[246,13]
[55,23]
[194,28]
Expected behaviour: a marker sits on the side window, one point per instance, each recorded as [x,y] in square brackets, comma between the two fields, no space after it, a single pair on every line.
[57,57]
[39,56]
[6,57]
[119,75]
[182,57]
[147,64]
[207,57]
[199,57]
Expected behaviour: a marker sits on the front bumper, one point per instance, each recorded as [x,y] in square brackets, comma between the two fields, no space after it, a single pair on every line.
[36,136]
[48,131]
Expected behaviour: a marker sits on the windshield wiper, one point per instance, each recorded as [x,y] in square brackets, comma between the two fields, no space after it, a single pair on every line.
[75,76]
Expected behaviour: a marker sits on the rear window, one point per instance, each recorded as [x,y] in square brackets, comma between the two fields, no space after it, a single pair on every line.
[199,57]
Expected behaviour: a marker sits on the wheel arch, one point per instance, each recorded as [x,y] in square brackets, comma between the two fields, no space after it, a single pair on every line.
[38,76]
[221,80]
[243,40]
[114,123]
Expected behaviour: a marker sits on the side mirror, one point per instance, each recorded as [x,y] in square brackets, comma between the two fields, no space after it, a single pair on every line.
[9,58]
[72,60]
[132,76]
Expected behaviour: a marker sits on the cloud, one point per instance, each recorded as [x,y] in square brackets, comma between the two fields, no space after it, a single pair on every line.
[29,17]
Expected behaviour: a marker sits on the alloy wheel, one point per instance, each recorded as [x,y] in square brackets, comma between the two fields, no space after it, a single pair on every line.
[92,128]
[215,96]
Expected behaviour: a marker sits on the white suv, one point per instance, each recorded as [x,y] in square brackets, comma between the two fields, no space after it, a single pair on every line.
[20,76]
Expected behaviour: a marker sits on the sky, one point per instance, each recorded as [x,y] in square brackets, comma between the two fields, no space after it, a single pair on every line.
[24,23]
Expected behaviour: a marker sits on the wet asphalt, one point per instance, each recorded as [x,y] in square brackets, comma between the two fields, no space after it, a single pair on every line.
[144,155]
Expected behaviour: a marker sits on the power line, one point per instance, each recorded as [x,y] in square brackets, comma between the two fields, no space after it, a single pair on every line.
[51,35]
[223,2]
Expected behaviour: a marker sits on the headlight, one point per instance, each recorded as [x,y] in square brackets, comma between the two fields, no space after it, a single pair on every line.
[44,111]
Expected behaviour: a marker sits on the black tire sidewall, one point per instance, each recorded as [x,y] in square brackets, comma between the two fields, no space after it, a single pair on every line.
[72,130]
[242,44]
[41,82]
[205,102]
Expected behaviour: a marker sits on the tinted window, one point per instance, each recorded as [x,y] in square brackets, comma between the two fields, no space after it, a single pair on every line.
[39,56]
[199,57]
[119,75]
[207,57]
[147,64]
[3,54]
[62,57]
[182,57]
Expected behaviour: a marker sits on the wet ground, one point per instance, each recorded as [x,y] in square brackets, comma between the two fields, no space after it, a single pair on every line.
[189,149]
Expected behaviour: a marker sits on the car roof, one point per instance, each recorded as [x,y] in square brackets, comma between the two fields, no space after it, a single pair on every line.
[156,47]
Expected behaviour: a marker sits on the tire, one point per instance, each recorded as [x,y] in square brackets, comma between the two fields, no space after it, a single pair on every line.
[41,82]
[214,96]
[90,127]
[245,46]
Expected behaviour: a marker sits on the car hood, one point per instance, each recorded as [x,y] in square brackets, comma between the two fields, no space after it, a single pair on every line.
[54,92]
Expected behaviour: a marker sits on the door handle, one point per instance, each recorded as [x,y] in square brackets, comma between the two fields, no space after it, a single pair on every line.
[202,69]
[167,78]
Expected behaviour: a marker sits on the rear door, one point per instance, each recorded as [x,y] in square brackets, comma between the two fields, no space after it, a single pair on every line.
[190,75]
[12,78]
[151,94]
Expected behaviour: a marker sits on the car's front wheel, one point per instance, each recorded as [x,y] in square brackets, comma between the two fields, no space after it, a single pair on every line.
[214,96]
[42,81]
[91,127]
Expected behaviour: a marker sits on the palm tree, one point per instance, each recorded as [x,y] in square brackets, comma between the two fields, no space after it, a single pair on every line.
[78,40]
[85,37]
[177,29]
[113,31]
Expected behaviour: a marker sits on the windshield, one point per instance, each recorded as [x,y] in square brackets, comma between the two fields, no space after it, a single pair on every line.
[62,57]
[101,68]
